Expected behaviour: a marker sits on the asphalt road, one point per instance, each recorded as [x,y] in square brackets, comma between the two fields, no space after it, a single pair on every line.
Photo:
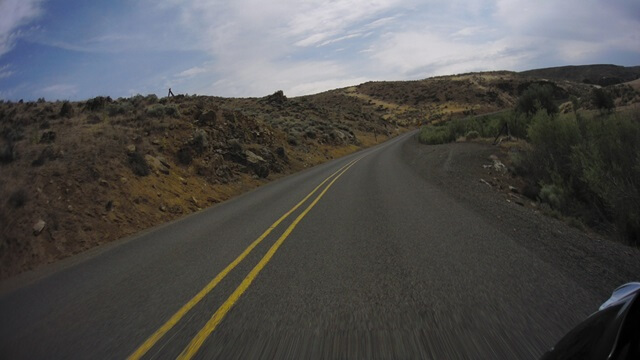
[379,262]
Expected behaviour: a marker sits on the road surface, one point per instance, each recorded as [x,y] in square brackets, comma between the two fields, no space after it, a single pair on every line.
[364,257]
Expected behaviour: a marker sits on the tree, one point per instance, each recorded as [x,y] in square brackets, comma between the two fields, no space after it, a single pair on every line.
[535,98]
[602,99]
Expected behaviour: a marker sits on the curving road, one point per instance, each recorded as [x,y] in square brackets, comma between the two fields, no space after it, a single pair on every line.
[379,261]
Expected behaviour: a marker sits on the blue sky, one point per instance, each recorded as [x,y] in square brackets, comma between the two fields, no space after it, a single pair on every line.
[77,49]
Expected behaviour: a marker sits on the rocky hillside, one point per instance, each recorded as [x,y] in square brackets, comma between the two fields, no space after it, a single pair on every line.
[74,175]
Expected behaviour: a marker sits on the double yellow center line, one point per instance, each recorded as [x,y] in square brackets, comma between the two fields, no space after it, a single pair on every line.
[219,315]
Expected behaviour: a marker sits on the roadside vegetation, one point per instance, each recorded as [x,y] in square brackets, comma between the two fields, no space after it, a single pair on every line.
[584,163]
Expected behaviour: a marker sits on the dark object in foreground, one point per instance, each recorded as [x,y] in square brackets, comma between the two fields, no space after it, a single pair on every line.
[613,332]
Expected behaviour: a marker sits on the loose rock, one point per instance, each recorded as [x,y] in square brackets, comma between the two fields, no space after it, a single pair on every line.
[38,227]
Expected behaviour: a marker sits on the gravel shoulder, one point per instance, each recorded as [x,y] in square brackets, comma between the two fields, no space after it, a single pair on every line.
[598,263]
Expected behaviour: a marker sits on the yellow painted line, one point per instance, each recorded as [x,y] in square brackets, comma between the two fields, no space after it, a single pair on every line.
[153,339]
[217,317]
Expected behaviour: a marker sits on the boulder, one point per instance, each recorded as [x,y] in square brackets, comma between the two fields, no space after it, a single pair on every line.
[257,163]
[499,166]
[156,164]
[277,98]
[252,158]
[163,161]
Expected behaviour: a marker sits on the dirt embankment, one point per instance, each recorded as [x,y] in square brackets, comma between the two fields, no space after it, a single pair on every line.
[77,175]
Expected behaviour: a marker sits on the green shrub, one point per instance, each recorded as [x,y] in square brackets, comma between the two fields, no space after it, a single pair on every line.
[185,155]
[138,164]
[151,99]
[552,138]
[535,98]
[7,152]
[602,99]
[518,124]
[66,110]
[160,110]
[156,111]
[589,167]
[119,108]
[98,103]
[607,164]
[17,199]
[137,100]
[553,195]
[432,135]
[172,110]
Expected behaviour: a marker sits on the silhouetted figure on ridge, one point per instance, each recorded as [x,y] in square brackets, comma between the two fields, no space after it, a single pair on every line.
[170,93]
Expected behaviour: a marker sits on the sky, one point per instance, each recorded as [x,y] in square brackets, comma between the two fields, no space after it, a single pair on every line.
[78,49]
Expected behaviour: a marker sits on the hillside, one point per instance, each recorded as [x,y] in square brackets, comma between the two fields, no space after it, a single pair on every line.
[600,74]
[79,174]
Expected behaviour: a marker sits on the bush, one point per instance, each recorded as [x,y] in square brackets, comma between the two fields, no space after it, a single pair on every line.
[138,100]
[171,110]
[7,152]
[156,110]
[97,103]
[602,99]
[185,155]
[151,99]
[553,139]
[138,164]
[607,164]
[66,110]
[17,199]
[199,142]
[589,167]
[433,135]
[553,195]
[119,108]
[535,98]
[160,110]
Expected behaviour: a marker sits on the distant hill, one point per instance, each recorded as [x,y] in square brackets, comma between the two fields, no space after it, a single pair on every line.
[601,74]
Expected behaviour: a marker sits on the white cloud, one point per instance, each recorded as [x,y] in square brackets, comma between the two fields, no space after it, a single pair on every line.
[260,78]
[5,71]
[189,73]
[312,39]
[468,31]
[13,15]
[60,91]
[341,38]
